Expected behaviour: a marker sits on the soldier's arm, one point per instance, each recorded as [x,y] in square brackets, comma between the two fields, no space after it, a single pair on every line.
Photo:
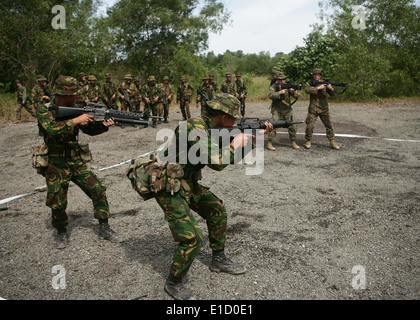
[51,126]
[273,95]
[310,89]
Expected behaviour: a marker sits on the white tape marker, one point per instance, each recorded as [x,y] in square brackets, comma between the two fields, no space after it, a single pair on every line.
[356,137]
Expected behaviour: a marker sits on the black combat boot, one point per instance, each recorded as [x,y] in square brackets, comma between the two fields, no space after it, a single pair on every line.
[220,263]
[107,233]
[166,120]
[175,288]
[61,239]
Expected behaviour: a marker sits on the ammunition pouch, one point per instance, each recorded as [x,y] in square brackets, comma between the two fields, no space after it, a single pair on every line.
[40,158]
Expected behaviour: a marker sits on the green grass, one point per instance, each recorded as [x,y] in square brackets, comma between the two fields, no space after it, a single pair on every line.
[8,106]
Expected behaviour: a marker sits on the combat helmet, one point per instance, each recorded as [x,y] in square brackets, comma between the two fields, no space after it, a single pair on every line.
[40,77]
[151,78]
[317,71]
[65,86]
[128,77]
[165,78]
[92,78]
[280,76]
[225,103]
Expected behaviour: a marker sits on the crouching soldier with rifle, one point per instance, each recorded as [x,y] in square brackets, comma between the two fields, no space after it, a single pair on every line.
[62,159]
[176,188]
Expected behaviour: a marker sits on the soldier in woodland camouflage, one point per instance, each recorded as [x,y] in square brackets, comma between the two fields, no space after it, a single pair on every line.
[151,94]
[318,107]
[38,93]
[91,92]
[184,96]
[281,109]
[229,86]
[137,94]
[241,92]
[213,83]
[22,101]
[167,97]
[208,90]
[223,110]
[109,91]
[67,162]
[129,88]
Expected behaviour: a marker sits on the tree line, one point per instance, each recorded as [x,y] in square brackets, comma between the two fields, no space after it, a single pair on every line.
[169,38]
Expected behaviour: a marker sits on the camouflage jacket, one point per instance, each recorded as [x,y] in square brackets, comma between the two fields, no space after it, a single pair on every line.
[151,92]
[127,86]
[108,88]
[229,87]
[63,135]
[208,90]
[318,98]
[21,94]
[185,92]
[241,87]
[211,155]
[215,86]
[36,94]
[281,100]
[137,93]
[167,91]
[91,92]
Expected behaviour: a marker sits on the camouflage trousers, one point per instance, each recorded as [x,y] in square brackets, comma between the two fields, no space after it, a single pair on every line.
[28,108]
[185,229]
[58,175]
[282,114]
[324,115]
[153,109]
[164,111]
[185,110]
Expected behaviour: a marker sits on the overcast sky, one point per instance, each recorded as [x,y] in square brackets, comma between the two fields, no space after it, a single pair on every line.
[263,25]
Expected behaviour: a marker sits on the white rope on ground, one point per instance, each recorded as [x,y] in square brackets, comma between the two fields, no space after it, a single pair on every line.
[352,136]
[356,137]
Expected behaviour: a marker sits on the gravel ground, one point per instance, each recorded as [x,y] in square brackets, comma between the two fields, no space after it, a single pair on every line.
[300,227]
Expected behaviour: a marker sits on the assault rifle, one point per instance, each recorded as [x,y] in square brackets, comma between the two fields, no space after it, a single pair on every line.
[100,114]
[315,83]
[108,94]
[289,85]
[202,94]
[130,106]
[259,124]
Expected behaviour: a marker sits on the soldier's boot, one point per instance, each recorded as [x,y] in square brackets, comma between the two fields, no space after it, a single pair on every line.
[166,120]
[61,239]
[220,263]
[107,233]
[308,144]
[334,145]
[294,145]
[270,146]
[175,288]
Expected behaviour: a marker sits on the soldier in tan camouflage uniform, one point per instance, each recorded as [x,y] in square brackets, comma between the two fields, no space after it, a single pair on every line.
[136,94]
[281,109]
[22,100]
[81,84]
[319,107]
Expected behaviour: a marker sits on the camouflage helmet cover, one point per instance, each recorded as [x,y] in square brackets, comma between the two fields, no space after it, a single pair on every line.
[65,86]
[317,71]
[108,76]
[151,78]
[206,78]
[40,77]
[92,78]
[225,103]
[128,77]
[280,76]
[165,78]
